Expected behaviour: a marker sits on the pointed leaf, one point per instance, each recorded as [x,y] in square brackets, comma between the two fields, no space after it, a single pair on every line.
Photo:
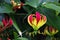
[16,26]
[53,6]
[33,3]
[6,8]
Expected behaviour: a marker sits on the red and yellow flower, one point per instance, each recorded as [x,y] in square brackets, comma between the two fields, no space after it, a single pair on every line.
[50,31]
[37,20]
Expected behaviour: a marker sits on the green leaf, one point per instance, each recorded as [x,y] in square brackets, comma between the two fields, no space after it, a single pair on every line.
[22,38]
[52,6]
[17,1]
[1,1]
[33,3]
[50,0]
[16,26]
[36,3]
[8,1]
[6,8]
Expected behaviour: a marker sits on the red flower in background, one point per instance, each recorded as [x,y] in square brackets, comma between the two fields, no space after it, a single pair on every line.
[7,22]
[0,38]
[51,31]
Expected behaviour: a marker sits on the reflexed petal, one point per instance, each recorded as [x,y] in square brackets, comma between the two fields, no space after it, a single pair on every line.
[34,23]
[7,22]
[54,31]
[38,16]
[10,21]
[30,20]
[51,29]
[46,31]
[41,23]
[4,22]
[45,18]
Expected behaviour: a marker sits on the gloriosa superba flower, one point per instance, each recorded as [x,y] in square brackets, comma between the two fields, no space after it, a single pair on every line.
[37,20]
[6,23]
[50,31]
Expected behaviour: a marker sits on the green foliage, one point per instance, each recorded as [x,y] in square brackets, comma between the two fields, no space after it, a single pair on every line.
[49,8]
[33,3]
[52,19]
[50,0]
[6,8]
[52,6]
[15,25]
[17,1]
[36,3]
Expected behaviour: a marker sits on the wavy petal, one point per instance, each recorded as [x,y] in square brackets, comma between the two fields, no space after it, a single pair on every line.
[10,21]
[34,22]
[30,19]
[50,29]
[38,16]
[4,22]
[41,22]
[45,18]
